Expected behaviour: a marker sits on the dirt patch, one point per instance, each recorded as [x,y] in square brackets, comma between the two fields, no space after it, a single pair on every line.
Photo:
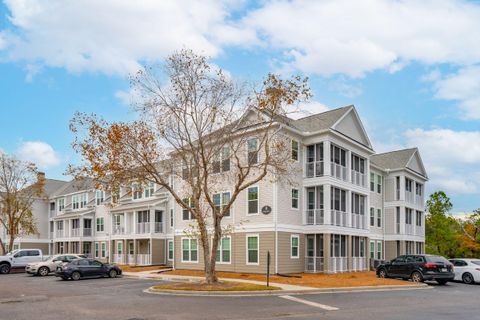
[220,286]
[316,280]
[127,268]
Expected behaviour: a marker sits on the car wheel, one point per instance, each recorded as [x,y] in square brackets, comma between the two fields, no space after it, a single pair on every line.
[43,271]
[442,282]
[382,273]
[467,278]
[4,268]
[76,276]
[416,277]
[112,273]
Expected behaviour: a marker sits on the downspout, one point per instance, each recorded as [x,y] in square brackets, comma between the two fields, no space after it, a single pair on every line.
[384,184]
[275,200]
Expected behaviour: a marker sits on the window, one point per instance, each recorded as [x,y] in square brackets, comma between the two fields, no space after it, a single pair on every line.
[252,147]
[79,201]
[99,197]
[379,250]
[252,250]
[372,249]
[170,250]
[171,218]
[418,189]
[418,220]
[294,244]
[397,220]
[189,250]
[379,184]
[149,190]
[96,250]
[294,198]
[119,247]
[338,199]
[372,182]
[397,188]
[408,185]
[61,204]
[100,225]
[295,150]
[52,206]
[221,200]
[223,250]
[104,249]
[358,204]
[379,218]
[408,216]
[186,214]
[338,155]
[372,217]
[358,164]
[252,198]
[221,162]
[136,191]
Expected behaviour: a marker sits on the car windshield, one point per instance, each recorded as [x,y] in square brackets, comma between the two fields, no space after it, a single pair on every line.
[11,253]
[477,262]
[437,259]
[48,258]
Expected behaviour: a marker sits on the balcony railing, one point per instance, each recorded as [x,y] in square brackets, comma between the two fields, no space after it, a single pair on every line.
[359,263]
[338,171]
[397,228]
[158,227]
[118,230]
[314,264]
[52,234]
[87,232]
[397,194]
[119,258]
[143,227]
[144,259]
[419,231]
[314,169]
[409,197]
[409,229]
[76,232]
[338,264]
[52,213]
[59,233]
[131,259]
[314,216]
[419,200]
[339,218]
[358,221]
[359,179]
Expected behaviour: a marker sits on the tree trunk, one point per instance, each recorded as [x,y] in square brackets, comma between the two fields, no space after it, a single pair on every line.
[10,244]
[2,247]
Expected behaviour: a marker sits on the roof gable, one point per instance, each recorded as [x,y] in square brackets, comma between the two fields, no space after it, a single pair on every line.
[351,126]
[416,164]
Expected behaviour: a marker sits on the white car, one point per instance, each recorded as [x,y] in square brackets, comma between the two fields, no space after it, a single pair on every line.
[466,270]
[43,268]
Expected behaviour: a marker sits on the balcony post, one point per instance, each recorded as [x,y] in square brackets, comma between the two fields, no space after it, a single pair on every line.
[326,158]
[327,196]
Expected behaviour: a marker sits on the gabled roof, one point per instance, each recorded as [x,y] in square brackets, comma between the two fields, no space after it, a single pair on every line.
[52,185]
[398,159]
[74,186]
[320,121]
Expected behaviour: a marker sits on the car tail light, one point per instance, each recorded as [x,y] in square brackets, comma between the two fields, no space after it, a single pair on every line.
[429,265]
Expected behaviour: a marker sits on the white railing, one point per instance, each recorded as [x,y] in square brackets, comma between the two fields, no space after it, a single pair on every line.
[314,169]
[419,231]
[119,258]
[158,227]
[52,213]
[314,264]
[397,229]
[338,264]
[358,178]
[409,197]
[118,230]
[144,259]
[76,232]
[338,171]
[409,229]
[131,259]
[87,232]
[358,221]
[59,233]
[314,216]
[143,227]
[359,263]
[419,200]
[52,234]
[339,218]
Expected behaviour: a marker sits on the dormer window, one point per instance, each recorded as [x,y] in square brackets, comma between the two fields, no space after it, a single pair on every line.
[149,190]
[79,201]
[137,192]
[61,204]
[99,197]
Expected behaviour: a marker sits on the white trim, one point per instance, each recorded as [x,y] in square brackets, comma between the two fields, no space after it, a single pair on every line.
[252,235]
[258,201]
[221,251]
[298,246]
[168,250]
[222,204]
[298,199]
[298,150]
[189,250]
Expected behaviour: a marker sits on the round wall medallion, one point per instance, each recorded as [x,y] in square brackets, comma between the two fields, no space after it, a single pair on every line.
[266,209]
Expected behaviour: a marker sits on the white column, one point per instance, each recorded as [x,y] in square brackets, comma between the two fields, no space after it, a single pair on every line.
[134,223]
[348,155]
[326,157]
[327,196]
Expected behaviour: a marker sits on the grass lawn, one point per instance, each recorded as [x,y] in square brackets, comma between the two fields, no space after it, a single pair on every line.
[316,280]
[221,286]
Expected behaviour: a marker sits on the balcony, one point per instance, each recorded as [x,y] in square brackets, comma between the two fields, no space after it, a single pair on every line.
[409,197]
[359,263]
[119,258]
[419,200]
[338,264]
[59,233]
[419,231]
[52,214]
[314,216]
[409,229]
[358,221]
[144,259]
[314,169]
[314,264]
[143,227]
[339,218]
[158,227]
[338,171]
[118,230]
[87,232]
[76,232]
[359,179]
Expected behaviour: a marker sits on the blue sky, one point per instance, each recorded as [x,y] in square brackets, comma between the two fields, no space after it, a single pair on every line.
[411,68]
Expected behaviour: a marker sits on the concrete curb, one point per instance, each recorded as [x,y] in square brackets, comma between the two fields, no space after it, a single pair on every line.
[286,292]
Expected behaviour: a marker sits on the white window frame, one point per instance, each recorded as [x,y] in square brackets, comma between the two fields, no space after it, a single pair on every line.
[60,208]
[295,236]
[103,249]
[220,247]
[119,246]
[134,187]
[258,249]
[379,218]
[149,190]
[172,215]
[168,250]
[222,205]
[379,248]
[102,224]
[258,201]
[248,151]
[292,149]
[372,210]
[379,184]
[292,198]
[189,250]
[97,198]
[372,252]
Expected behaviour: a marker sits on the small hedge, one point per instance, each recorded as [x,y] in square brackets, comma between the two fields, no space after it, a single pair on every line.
[220,286]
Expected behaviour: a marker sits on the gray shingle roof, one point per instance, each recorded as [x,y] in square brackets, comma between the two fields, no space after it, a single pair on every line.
[52,185]
[74,186]
[320,121]
[393,159]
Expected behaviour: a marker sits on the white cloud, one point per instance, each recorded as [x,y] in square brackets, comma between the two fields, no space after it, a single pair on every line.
[356,37]
[308,108]
[38,152]
[451,158]
[114,36]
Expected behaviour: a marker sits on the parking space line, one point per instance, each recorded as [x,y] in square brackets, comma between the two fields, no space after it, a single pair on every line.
[310,303]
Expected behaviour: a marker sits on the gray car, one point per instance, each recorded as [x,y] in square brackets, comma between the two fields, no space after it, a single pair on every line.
[45,267]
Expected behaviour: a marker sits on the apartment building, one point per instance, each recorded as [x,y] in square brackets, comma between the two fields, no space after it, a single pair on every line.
[346,207]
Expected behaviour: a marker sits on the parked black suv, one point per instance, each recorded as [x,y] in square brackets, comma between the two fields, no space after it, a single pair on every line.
[84,268]
[418,268]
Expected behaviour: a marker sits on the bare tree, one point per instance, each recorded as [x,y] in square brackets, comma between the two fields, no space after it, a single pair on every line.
[20,185]
[200,128]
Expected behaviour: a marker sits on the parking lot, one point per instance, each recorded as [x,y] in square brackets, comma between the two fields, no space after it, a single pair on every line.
[27,297]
